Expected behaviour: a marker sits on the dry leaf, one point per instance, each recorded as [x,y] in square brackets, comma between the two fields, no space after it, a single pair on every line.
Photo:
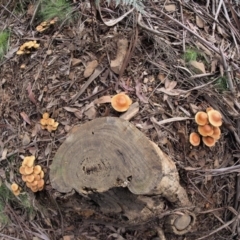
[171,85]
[25,117]
[139,93]
[103,99]
[91,112]
[198,66]
[75,61]
[111,23]
[91,66]
[31,94]
[25,140]
[170,7]
[116,64]
[199,22]
[4,153]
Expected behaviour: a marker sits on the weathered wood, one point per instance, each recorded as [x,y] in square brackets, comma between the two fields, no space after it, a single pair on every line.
[113,163]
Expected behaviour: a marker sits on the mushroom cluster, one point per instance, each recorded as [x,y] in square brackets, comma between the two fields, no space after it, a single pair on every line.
[209,123]
[27,47]
[121,102]
[46,24]
[15,189]
[32,174]
[48,123]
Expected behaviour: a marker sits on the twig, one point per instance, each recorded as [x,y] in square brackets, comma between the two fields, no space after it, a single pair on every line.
[219,229]
[95,74]
[229,78]
[216,16]
[174,119]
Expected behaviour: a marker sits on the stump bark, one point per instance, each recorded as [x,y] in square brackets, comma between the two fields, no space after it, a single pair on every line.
[111,162]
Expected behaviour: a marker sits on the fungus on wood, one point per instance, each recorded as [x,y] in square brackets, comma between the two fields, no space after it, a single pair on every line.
[107,158]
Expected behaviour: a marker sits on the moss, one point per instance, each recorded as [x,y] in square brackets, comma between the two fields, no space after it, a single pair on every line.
[190,55]
[4,36]
[221,84]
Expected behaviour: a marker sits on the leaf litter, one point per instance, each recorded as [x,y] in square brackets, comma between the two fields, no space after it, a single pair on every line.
[163,109]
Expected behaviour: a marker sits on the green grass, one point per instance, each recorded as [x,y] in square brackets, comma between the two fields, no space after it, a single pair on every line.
[221,84]
[4,36]
[54,8]
[190,55]
[4,196]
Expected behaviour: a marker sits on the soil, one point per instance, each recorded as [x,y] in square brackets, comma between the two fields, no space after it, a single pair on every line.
[70,76]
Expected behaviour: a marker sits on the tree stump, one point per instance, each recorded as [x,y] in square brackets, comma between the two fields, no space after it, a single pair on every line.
[111,162]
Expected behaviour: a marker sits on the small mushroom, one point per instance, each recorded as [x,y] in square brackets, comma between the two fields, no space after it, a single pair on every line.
[205,130]
[209,141]
[22,170]
[44,122]
[201,118]
[28,161]
[37,169]
[121,102]
[28,170]
[40,183]
[194,139]
[30,178]
[50,121]
[45,115]
[208,109]
[42,174]
[215,118]
[14,187]
[216,133]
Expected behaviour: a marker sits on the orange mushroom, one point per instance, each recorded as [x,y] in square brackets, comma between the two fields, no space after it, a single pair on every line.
[215,118]
[121,102]
[28,170]
[209,141]
[45,115]
[28,161]
[37,169]
[194,139]
[216,133]
[208,109]
[14,187]
[201,118]
[205,130]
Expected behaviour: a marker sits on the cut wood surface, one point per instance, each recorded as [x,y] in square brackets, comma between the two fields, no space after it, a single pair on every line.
[110,152]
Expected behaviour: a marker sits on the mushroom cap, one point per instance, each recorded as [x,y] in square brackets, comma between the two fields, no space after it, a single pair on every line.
[42,174]
[30,178]
[24,178]
[43,122]
[37,169]
[22,170]
[34,183]
[28,170]
[34,188]
[216,133]
[14,187]
[36,177]
[17,192]
[201,118]
[45,115]
[194,139]
[121,102]
[208,109]
[206,130]
[40,183]
[209,141]
[215,118]
[50,121]
[28,161]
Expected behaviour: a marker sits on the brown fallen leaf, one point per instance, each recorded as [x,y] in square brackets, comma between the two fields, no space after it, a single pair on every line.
[199,22]
[25,118]
[103,99]
[116,64]
[139,92]
[198,67]
[75,61]
[31,95]
[91,66]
